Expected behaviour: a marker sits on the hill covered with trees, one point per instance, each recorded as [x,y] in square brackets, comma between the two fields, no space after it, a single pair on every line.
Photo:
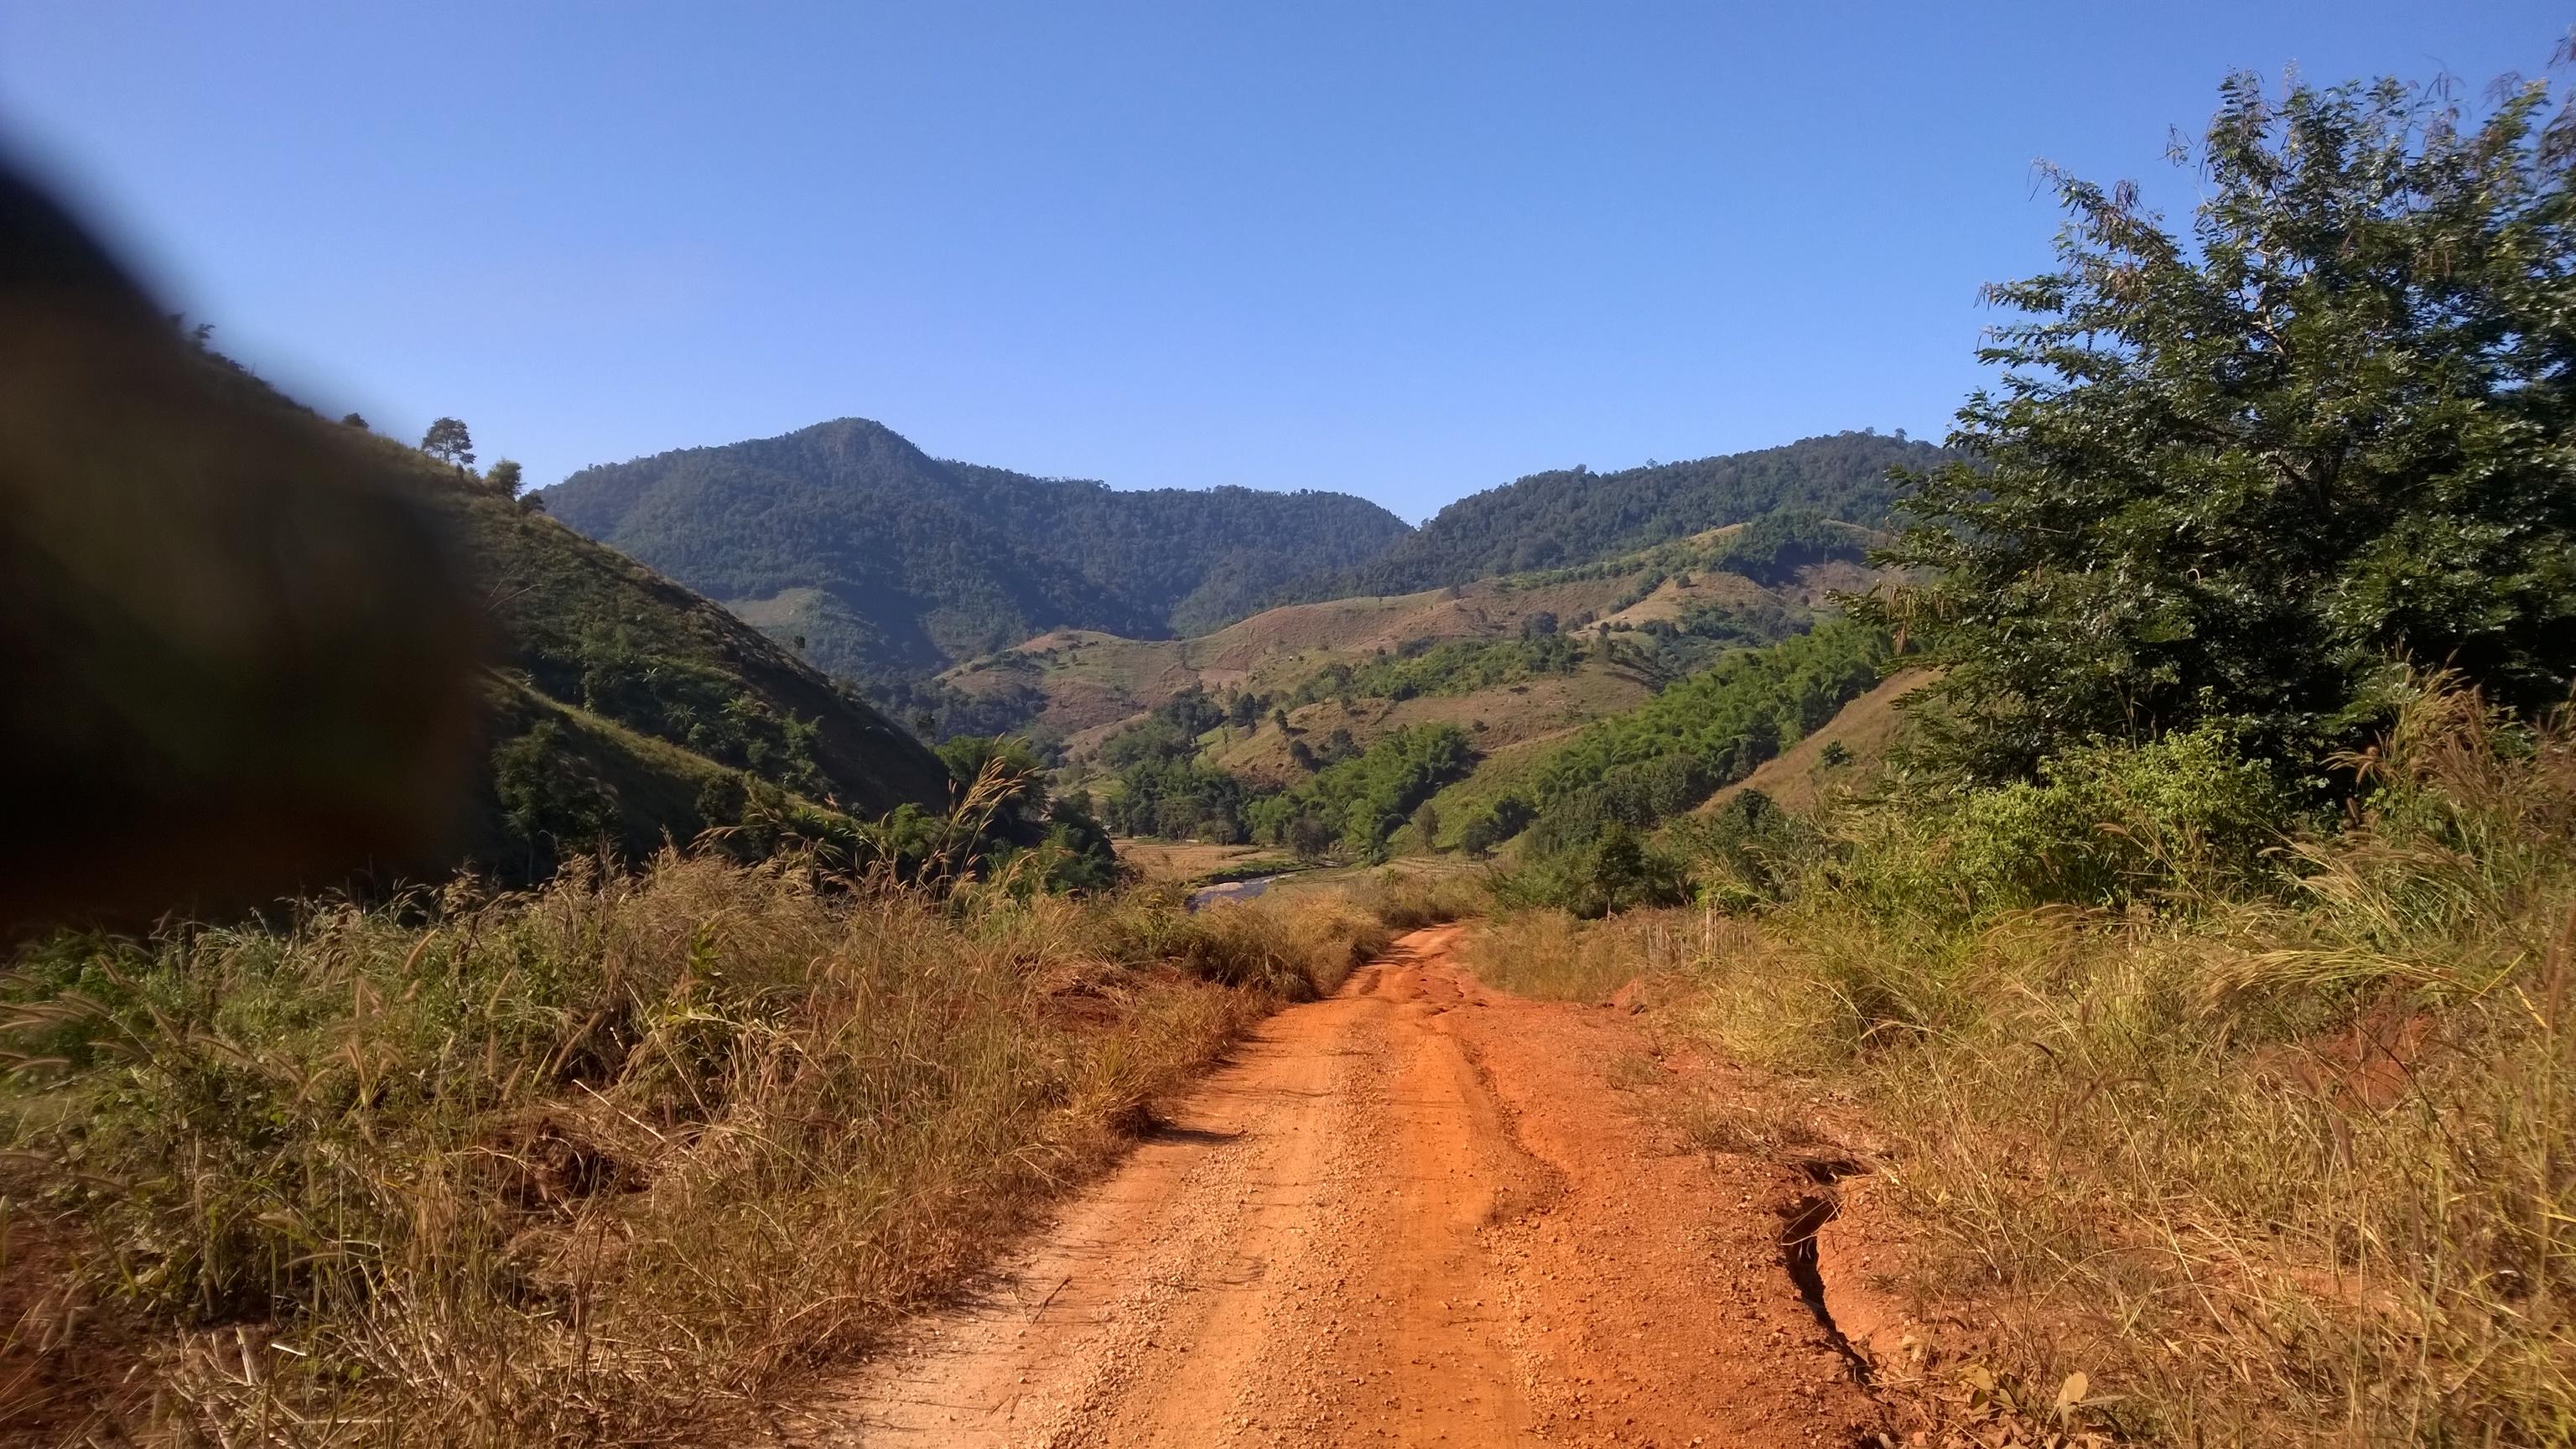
[622,707]
[1574,515]
[890,565]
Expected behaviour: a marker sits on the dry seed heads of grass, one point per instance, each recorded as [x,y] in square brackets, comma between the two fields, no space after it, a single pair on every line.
[596,1164]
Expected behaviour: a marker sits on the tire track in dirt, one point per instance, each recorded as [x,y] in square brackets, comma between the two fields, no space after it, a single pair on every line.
[1419,1212]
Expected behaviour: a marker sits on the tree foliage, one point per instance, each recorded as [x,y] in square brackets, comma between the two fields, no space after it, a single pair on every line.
[1773,548]
[1357,805]
[449,442]
[1162,788]
[2234,475]
[1717,726]
[1573,516]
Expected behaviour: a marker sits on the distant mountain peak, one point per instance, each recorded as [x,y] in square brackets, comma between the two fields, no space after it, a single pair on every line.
[914,563]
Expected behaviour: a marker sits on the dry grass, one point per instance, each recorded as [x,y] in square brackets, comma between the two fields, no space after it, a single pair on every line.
[1159,862]
[604,1163]
[1416,893]
[1552,956]
[2296,1168]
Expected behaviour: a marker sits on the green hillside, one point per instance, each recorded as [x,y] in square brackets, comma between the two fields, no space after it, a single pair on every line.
[890,565]
[1267,729]
[623,705]
[1574,516]
[588,626]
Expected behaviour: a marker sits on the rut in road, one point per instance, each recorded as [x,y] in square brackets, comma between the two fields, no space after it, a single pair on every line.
[1418,1212]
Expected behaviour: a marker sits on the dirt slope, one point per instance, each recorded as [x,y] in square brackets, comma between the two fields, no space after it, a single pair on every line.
[1419,1212]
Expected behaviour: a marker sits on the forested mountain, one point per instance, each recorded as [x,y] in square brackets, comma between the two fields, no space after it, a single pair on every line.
[890,564]
[1576,515]
[628,707]
[591,629]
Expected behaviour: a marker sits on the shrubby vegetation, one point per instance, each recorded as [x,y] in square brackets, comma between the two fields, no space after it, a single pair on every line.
[705,710]
[1355,807]
[1163,790]
[1458,667]
[1587,847]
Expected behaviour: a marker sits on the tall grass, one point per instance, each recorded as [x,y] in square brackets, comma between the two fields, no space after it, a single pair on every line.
[604,1162]
[2279,1161]
[1556,957]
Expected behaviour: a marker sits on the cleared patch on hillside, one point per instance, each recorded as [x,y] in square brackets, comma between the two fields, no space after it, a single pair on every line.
[1495,719]
[1183,862]
[1090,679]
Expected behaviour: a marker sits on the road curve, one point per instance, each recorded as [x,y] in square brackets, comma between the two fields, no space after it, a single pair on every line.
[1419,1212]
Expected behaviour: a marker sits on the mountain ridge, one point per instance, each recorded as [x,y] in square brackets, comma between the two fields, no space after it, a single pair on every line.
[916,563]
[1572,516]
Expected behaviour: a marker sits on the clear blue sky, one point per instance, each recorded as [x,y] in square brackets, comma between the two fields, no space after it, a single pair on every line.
[1409,251]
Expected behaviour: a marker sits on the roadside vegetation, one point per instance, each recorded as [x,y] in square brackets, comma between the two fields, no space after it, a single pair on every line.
[606,1160]
[2196,973]
[2260,1121]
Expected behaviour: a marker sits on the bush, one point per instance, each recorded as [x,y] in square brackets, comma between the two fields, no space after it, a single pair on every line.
[1617,870]
[2185,819]
[1747,853]
[1363,801]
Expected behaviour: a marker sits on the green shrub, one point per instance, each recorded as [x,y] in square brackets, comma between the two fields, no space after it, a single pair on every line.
[1746,853]
[1616,870]
[2188,818]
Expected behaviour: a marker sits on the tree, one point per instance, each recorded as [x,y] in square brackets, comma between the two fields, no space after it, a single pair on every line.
[2234,478]
[503,478]
[448,442]
[1426,827]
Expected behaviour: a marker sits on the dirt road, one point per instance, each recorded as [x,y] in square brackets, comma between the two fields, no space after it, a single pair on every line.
[1420,1212]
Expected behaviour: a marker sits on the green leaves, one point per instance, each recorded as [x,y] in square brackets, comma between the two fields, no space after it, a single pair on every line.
[2233,475]
[1363,801]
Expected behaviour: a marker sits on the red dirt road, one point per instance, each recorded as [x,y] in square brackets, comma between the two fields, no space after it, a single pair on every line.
[1420,1212]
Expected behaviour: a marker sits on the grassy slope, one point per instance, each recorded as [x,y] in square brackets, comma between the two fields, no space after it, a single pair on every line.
[1495,719]
[1092,679]
[1512,770]
[657,783]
